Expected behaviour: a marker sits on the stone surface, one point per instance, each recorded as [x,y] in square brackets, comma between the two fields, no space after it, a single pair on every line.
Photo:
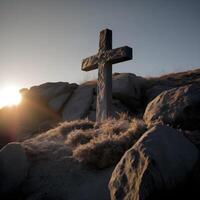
[13,168]
[39,104]
[65,179]
[55,174]
[179,107]
[128,88]
[155,91]
[79,104]
[103,61]
[162,160]
[48,91]
[58,102]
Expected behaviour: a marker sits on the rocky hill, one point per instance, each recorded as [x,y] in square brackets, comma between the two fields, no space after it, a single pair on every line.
[148,150]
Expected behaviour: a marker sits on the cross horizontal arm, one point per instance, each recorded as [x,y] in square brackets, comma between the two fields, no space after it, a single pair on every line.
[90,63]
[112,56]
[119,55]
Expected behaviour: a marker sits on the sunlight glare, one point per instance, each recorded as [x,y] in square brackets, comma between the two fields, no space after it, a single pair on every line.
[10,96]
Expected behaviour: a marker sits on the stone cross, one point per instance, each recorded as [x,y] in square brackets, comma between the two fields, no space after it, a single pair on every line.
[103,60]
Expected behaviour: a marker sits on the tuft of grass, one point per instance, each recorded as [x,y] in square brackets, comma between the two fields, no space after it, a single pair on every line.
[54,138]
[68,126]
[113,126]
[104,145]
[80,137]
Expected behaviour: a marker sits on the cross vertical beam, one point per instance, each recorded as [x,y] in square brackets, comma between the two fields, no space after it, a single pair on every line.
[103,61]
[104,92]
[104,83]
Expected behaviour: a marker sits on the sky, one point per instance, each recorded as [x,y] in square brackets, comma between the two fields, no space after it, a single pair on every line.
[45,40]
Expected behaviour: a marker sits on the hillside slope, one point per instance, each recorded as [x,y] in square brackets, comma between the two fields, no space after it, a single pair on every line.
[148,150]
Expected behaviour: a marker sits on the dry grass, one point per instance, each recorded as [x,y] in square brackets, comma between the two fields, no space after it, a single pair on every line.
[98,145]
[175,79]
[67,127]
[79,137]
[47,141]
[104,145]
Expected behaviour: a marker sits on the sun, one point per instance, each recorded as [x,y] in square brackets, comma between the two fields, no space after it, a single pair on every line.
[10,96]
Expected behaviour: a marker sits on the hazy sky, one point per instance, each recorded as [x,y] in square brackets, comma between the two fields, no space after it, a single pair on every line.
[45,40]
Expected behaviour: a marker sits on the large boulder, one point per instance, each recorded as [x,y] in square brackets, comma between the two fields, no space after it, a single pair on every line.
[39,104]
[128,89]
[57,103]
[161,161]
[179,107]
[80,102]
[155,91]
[47,91]
[13,168]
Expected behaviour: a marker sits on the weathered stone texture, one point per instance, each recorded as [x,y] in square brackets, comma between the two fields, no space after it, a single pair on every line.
[103,61]
[79,104]
[48,91]
[179,107]
[162,160]
[58,102]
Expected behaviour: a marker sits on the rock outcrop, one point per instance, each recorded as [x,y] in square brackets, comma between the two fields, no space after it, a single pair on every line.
[79,104]
[128,88]
[75,159]
[179,107]
[57,103]
[51,103]
[48,91]
[162,160]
